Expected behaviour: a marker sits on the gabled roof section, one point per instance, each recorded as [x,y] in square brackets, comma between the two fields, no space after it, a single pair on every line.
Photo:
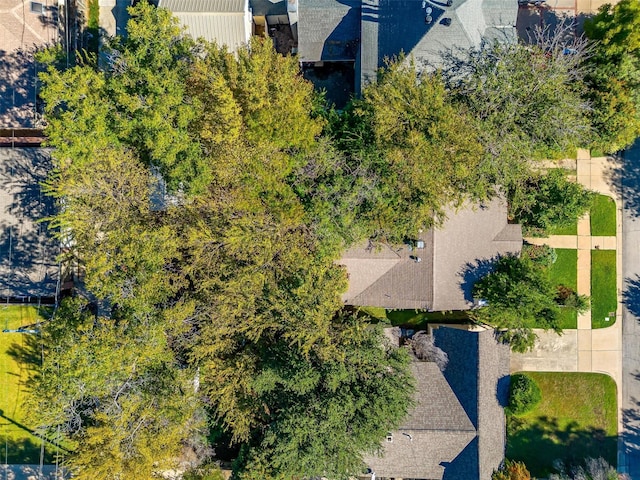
[478,373]
[456,430]
[393,26]
[464,248]
[437,407]
[390,276]
[226,22]
[454,257]
[435,432]
[204,6]
[328,30]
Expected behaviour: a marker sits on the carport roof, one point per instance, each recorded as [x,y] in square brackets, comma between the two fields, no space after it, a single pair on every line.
[28,253]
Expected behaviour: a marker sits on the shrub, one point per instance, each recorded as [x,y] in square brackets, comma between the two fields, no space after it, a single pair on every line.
[524,394]
[512,470]
[541,254]
[568,297]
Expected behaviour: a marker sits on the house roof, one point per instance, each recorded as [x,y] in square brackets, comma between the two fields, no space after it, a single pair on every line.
[268,7]
[456,431]
[226,22]
[328,30]
[28,253]
[455,256]
[470,22]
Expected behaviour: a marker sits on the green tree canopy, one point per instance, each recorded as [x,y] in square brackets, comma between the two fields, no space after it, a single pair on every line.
[229,279]
[548,200]
[116,393]
[520,296]
[614,74]
[420,151]
[529,99]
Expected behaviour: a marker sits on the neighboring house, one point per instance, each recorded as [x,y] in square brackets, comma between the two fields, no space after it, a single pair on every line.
[438,270]
[363,33]
[24,28]
[227,22]
[456,430]
[28,253]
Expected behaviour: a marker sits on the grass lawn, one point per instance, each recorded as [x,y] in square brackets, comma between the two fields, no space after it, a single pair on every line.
[414,318]
[565,272]
[576,419]
[603,216]
[604,295]
[19,355]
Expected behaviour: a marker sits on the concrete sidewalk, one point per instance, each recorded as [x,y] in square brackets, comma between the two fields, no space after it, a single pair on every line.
[584,349]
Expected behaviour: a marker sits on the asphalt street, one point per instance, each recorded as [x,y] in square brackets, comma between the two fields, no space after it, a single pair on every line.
[628,176]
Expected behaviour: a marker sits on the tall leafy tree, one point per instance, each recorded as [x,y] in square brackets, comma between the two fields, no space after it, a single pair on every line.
[545,201]
[115,393]
[614,74]
[421,151]
[529,99]
[228,282]
[520,296]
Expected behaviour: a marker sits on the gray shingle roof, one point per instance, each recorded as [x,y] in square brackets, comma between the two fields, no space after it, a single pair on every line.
[454,257]
[393,26]
[328,30]
[226,22]
[456,431]
[435,431]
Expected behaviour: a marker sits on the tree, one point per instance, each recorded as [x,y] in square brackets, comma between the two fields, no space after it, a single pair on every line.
[548,200]
[528,98]
[614,76]
[425,349]
[229,292]
[520,296]
[115,392]
[512,470]
[421,152]
[325,412]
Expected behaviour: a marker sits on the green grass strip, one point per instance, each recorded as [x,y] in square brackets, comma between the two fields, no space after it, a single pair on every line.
[565,272]
[604,295]
[603,216]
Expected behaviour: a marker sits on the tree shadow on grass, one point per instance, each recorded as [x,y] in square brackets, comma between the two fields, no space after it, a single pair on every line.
[539,442]
[25,451]
[28,354]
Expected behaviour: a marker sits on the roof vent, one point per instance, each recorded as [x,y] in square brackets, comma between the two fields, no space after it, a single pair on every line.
[420,244]
[37,7]
[390,437]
